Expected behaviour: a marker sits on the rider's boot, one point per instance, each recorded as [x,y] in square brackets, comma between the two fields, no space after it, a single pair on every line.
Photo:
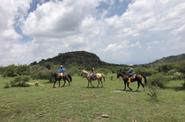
[129,80]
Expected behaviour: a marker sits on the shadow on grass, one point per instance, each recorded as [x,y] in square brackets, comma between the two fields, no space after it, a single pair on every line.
[93,87]
[132,91]
[175,88]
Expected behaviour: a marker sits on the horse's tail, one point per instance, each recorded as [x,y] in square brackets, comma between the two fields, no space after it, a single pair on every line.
[144,78]
[70,78]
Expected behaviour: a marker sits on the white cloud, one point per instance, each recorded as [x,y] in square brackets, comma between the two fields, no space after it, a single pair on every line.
[145,31]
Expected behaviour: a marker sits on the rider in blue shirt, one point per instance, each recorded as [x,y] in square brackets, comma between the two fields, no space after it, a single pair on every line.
[61,70]
[130,73]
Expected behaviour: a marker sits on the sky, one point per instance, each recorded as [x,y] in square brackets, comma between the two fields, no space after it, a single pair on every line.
[118,31]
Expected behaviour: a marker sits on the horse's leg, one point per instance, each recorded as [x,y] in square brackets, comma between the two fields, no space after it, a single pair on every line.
[58,83]
[64,83]
[101,84]
[129,86]
[91,84]
[98,83]
[69,82]
[142,85]
[88,83]
[138,85]
[54,84]
[124,85]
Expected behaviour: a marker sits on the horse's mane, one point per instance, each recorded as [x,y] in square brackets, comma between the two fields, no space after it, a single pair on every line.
[85,71]
[123,72]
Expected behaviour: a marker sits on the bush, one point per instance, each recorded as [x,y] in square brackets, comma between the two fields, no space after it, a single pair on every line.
[14,70]
[159,80]
[43,74]
[10,71]
[103,70]
[23,70]
[177,76]
[145,71]
[7,85]
[19,82]
[165,68]
[153,94]
[183,85]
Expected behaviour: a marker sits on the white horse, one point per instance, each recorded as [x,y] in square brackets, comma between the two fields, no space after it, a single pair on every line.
[92,77]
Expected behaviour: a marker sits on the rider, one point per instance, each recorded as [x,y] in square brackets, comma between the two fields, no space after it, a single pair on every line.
[93,72]
[130,73]
[61,70]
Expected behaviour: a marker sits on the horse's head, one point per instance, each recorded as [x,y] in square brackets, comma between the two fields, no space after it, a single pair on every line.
[118,74]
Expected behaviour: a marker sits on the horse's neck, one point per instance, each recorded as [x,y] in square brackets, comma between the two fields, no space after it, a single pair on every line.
[123,75]
[85,72]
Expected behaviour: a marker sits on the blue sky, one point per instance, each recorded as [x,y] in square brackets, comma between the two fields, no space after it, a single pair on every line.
[118,31]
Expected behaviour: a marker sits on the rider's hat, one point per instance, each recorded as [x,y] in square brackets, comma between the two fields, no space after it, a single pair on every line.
[130,65]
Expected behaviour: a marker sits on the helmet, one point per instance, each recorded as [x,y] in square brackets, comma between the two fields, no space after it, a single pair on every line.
[61,65]
[130,65]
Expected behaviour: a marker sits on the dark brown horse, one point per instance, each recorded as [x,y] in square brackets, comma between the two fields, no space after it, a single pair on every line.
[66,77]
[138,78]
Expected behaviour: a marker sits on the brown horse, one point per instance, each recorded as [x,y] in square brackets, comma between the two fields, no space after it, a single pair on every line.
[65,77]
[91,77]
[138,78]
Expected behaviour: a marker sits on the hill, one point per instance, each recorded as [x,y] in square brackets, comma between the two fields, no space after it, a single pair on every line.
[88,59]
[170,60]
[81,58]
[170,63]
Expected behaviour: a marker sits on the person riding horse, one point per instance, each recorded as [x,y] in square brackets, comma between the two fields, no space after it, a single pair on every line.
[61,71]
[131,73]
[93,73]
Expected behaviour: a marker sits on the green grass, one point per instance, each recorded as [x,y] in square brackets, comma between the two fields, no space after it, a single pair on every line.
[80,104]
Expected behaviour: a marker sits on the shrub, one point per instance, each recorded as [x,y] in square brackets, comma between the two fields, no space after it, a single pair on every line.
[183,85]
[23,70]
[10,71]
[19,82]
[165,68]
[43,74]
[177,76]
[14,70]
[145,71]
[153,93]
[103,70]
[158,80]
[7,85]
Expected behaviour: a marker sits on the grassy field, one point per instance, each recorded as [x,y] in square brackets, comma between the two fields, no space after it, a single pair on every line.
[80,104]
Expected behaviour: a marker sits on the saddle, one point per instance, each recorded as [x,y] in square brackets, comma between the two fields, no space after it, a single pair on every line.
[61,75]
[93,75]
[132,76]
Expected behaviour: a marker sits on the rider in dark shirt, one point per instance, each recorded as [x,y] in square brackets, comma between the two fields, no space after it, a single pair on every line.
[93,73]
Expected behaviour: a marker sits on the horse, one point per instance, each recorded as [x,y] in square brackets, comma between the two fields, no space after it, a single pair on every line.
[138,78]
[92,77]
[66,77]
